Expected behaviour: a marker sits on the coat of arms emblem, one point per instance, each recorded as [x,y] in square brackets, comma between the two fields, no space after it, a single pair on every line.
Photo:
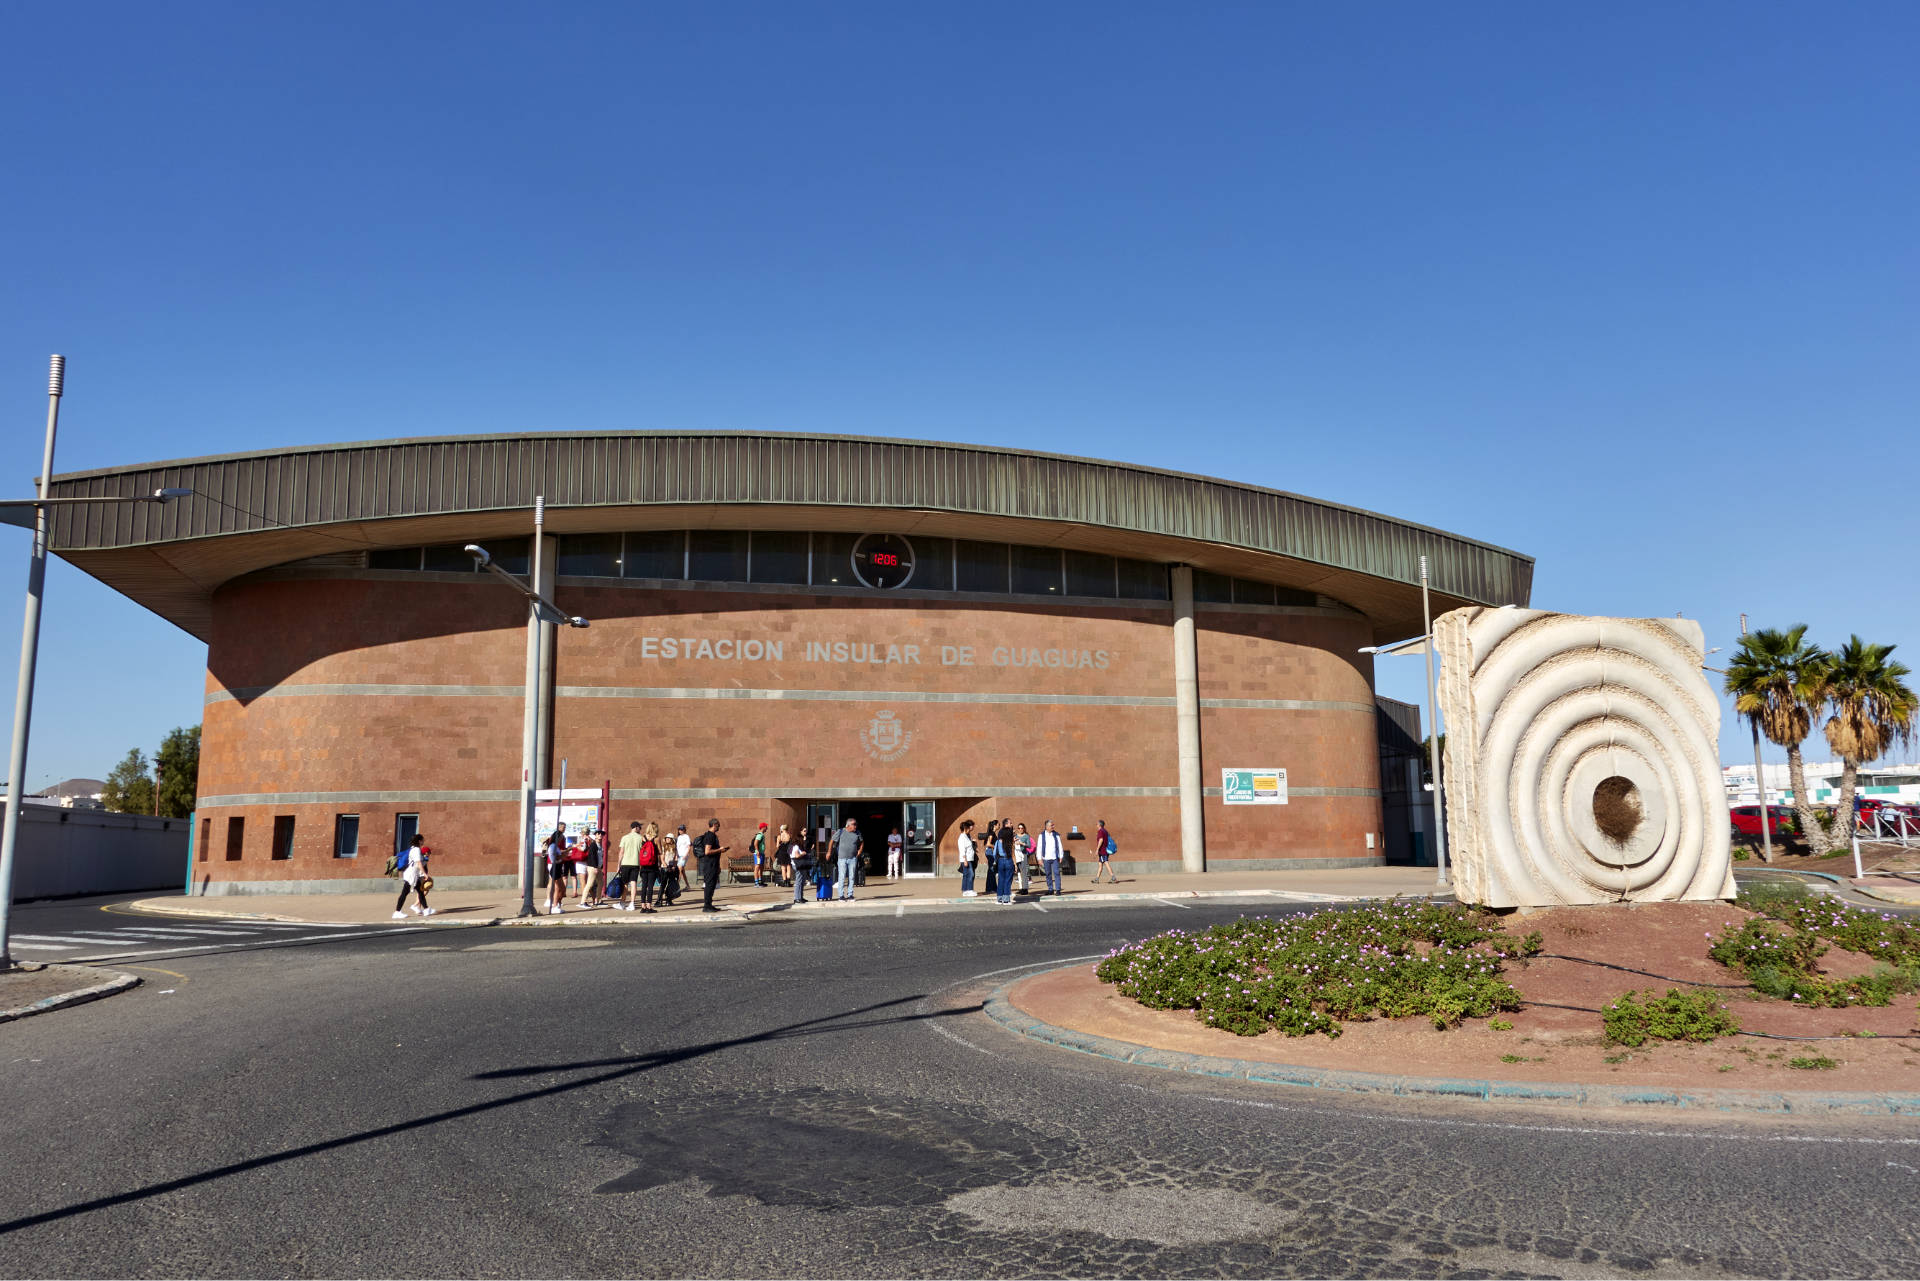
[885,738]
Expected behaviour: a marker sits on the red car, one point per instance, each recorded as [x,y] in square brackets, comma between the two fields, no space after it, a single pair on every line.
[1746,820]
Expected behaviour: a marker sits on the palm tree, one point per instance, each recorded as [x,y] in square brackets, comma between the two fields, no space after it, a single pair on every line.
[1776,680]
[1872,710]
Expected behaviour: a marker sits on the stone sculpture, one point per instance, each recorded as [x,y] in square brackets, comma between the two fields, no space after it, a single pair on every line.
[1582,760]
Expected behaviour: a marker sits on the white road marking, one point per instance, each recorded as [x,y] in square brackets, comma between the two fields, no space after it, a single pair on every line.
[141,932]
[17,941]
[276,940]
[1166,903]
[48,938]
[1036,907]
[899,909]
[182,929]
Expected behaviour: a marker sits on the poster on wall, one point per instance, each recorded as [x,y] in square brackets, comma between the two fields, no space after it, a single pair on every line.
[1253,786]
[578,807]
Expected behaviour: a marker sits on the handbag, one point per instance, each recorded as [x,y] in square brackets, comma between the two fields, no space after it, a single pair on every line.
[426,883]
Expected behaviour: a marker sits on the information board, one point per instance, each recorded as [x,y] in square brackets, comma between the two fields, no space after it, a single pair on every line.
[1253,786]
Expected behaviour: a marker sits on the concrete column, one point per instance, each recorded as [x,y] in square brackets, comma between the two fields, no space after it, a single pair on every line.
[549,632]
[1186,712]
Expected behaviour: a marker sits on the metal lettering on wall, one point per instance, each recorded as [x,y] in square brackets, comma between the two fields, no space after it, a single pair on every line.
[870,653]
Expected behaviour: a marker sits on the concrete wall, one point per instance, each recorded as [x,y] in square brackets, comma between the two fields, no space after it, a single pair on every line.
[63,852]
[366,695]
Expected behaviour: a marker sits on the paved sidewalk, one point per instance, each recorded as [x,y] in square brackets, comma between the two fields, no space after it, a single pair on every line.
[487,907]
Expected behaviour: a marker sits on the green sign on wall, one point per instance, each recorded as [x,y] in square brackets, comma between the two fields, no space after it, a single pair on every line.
[1253,786]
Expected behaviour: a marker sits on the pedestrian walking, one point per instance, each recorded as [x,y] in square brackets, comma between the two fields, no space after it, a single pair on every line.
[630,866]
[968,856]
[758,847]
[894,848]
[1003,860]
[800,860]
[1103,851]
[846,848]
[559,859]
[649,867]
[1051,853]
[708,850]
[411,863]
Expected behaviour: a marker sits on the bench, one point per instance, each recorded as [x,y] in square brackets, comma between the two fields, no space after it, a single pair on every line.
[740,869]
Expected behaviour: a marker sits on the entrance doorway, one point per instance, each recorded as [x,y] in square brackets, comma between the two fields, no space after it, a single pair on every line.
[875,820]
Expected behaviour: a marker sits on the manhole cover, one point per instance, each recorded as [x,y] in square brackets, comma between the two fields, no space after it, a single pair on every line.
[539,945]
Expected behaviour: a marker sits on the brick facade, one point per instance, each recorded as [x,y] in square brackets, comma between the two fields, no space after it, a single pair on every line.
[381,694]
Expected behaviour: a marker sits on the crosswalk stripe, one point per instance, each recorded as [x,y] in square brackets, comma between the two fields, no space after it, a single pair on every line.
[19,940]
[182,929]
[143,935]
[215,947]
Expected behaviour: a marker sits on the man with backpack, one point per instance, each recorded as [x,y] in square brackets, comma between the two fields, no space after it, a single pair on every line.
[411,863]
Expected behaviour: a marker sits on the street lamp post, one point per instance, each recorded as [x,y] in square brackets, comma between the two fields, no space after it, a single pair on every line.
[539,610]
[1425,644]
[34,513]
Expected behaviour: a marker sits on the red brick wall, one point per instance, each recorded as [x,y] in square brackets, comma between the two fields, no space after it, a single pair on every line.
[288,634]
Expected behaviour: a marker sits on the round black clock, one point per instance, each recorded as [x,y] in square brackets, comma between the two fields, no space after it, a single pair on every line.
[883,560]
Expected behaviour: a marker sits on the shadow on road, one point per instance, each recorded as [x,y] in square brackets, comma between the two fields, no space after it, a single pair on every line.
[621,1067]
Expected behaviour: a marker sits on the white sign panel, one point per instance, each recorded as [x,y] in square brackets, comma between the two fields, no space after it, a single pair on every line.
[1253,786]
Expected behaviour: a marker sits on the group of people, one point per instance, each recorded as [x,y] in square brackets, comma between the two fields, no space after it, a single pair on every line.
[650,870]
[1008,852]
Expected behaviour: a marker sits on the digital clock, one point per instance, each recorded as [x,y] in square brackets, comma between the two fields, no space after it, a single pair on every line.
[883,560]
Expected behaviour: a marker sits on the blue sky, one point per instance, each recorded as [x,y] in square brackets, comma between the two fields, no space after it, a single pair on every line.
[1630,288]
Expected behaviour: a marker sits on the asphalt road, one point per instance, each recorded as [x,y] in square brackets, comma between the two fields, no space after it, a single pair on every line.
[818,1096]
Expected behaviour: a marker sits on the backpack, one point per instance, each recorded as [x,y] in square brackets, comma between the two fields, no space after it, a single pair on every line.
[649,854]
[393,865]
[400,860]
[1113,847]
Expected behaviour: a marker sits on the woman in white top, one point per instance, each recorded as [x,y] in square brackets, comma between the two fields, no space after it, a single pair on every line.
[412,878]
[969,855]
[893,855]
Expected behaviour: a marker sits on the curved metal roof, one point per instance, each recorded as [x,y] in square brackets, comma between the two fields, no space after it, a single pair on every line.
[255,510]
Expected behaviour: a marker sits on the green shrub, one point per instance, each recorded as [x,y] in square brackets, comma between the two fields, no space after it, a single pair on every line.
[1761,943]
[1818,1062]
[1303,974]
[1677,1016]
[1877,988]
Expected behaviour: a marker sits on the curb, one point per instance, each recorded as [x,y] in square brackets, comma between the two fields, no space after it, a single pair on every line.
[1564,1094]
[118,983]
[748,911]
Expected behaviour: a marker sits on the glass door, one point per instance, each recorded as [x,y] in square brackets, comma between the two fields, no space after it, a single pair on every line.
[919,838]
[822,816]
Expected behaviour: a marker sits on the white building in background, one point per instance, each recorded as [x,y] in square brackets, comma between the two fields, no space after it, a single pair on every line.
[1897,783]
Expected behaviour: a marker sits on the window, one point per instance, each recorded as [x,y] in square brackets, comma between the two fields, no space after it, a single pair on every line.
[405,828]
[236,838]
[346,835]
[394,558]
[833,561]
[283,836]
[980,567]
[448,558]
[656,553]
[206,837]
[510,554]
[717,555]
[933,568]
[779,558]
[1089,574]
[590,555]
[1143,580]
[1215,588]
[1294,596]
[1036,571]
[1248,592]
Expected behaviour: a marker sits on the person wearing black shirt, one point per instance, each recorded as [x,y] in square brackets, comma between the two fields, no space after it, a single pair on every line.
[708,850]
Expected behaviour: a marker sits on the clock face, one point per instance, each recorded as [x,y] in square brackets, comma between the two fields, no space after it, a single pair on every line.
[883,560]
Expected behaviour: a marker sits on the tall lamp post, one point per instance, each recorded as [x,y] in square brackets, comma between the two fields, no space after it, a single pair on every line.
[539,610]
[1424,645]
[33,513]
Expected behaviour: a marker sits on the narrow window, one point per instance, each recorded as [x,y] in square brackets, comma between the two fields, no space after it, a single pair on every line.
[236,838]
[656,553]
[206,837]
[346,835]
[405,828]
[282,836]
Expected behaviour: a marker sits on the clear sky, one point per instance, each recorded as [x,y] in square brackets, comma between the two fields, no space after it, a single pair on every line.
[1631,288]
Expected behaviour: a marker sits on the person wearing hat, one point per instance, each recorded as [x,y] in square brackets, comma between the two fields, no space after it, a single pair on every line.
[758,847]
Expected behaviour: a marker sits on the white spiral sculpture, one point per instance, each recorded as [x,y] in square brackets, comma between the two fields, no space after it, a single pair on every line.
[1582,761]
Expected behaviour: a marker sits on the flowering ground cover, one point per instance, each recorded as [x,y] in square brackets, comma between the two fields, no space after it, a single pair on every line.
[1303,974]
